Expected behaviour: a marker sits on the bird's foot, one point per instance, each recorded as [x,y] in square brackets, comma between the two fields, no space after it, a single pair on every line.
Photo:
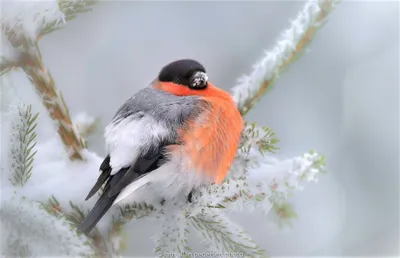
[190,196]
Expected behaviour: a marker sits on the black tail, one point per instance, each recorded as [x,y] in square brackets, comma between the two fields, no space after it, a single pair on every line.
[116,183]
[98,211]
[102,205]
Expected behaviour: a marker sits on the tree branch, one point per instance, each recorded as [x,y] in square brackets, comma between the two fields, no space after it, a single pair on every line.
[225,236]
[29,59]
[252,87]
[55,104]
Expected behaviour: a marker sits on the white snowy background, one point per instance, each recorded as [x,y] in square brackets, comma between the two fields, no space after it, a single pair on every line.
[340,98]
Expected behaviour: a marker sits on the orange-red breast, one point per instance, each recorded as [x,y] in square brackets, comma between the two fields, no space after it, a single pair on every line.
[168,139]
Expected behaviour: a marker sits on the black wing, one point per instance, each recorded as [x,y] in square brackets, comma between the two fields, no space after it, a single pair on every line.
[117,182]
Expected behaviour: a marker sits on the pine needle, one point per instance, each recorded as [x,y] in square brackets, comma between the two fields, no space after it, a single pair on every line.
[23,144]
[226,236]
[70,10]
[263,138]
[74,218]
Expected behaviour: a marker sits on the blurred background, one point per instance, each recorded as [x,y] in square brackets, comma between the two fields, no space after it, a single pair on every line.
[340,98]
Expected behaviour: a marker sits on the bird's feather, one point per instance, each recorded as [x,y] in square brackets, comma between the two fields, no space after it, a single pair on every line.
[135,138]
[148,117]
[105,174]
[139,170]
[102,205]
[116,183]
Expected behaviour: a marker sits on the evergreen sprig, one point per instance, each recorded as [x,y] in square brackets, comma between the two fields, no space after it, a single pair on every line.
[261,137]
[285,213]
[224,235]
[23,145]
[97,241]
[70,9]
[74,218]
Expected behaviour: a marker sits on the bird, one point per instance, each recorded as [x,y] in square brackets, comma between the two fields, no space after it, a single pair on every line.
[178,133]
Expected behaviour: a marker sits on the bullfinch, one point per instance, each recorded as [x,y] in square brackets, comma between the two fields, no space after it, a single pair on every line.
[177,134]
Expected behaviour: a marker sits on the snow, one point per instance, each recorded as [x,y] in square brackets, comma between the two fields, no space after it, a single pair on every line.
[43,233]
[53,173]
[28,17]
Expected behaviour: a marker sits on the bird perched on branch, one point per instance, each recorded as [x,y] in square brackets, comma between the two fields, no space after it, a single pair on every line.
[169,138]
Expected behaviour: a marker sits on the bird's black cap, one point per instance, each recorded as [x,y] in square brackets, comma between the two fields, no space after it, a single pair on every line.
[186,72]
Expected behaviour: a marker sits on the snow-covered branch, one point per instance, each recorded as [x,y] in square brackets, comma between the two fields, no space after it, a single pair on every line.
[293,41]
[271,182]
[22,24]
[53,100]
[34,19]
[23,143]
[74,216]
[259,189]
[43,234]
[174,234]
[224,237]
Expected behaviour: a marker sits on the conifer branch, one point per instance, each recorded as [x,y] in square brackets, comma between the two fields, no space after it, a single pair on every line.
[27,56]
[96,241]
[254,139]
[70,9]
[283,213]
[26,226]
[174,235]
[225,236]
[23,144]
[31,63]
[260,189]
[261,138]
[252,87]
[53,100]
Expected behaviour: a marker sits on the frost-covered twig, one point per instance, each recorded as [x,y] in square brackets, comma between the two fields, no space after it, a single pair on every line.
[70,9]
[260,189]
[74,218]
[251,88]
[103,246]
[261,138]
[23,142]
[27,229]
[53,100]
[272,182]
[255,140]
[224,237]
[173,238]
[23,24]
[283,213]
[35,19]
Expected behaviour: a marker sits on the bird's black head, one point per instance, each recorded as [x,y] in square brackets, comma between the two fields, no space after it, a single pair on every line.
[185,72]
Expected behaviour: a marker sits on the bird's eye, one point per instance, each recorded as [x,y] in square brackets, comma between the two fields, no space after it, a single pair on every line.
[176,80]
